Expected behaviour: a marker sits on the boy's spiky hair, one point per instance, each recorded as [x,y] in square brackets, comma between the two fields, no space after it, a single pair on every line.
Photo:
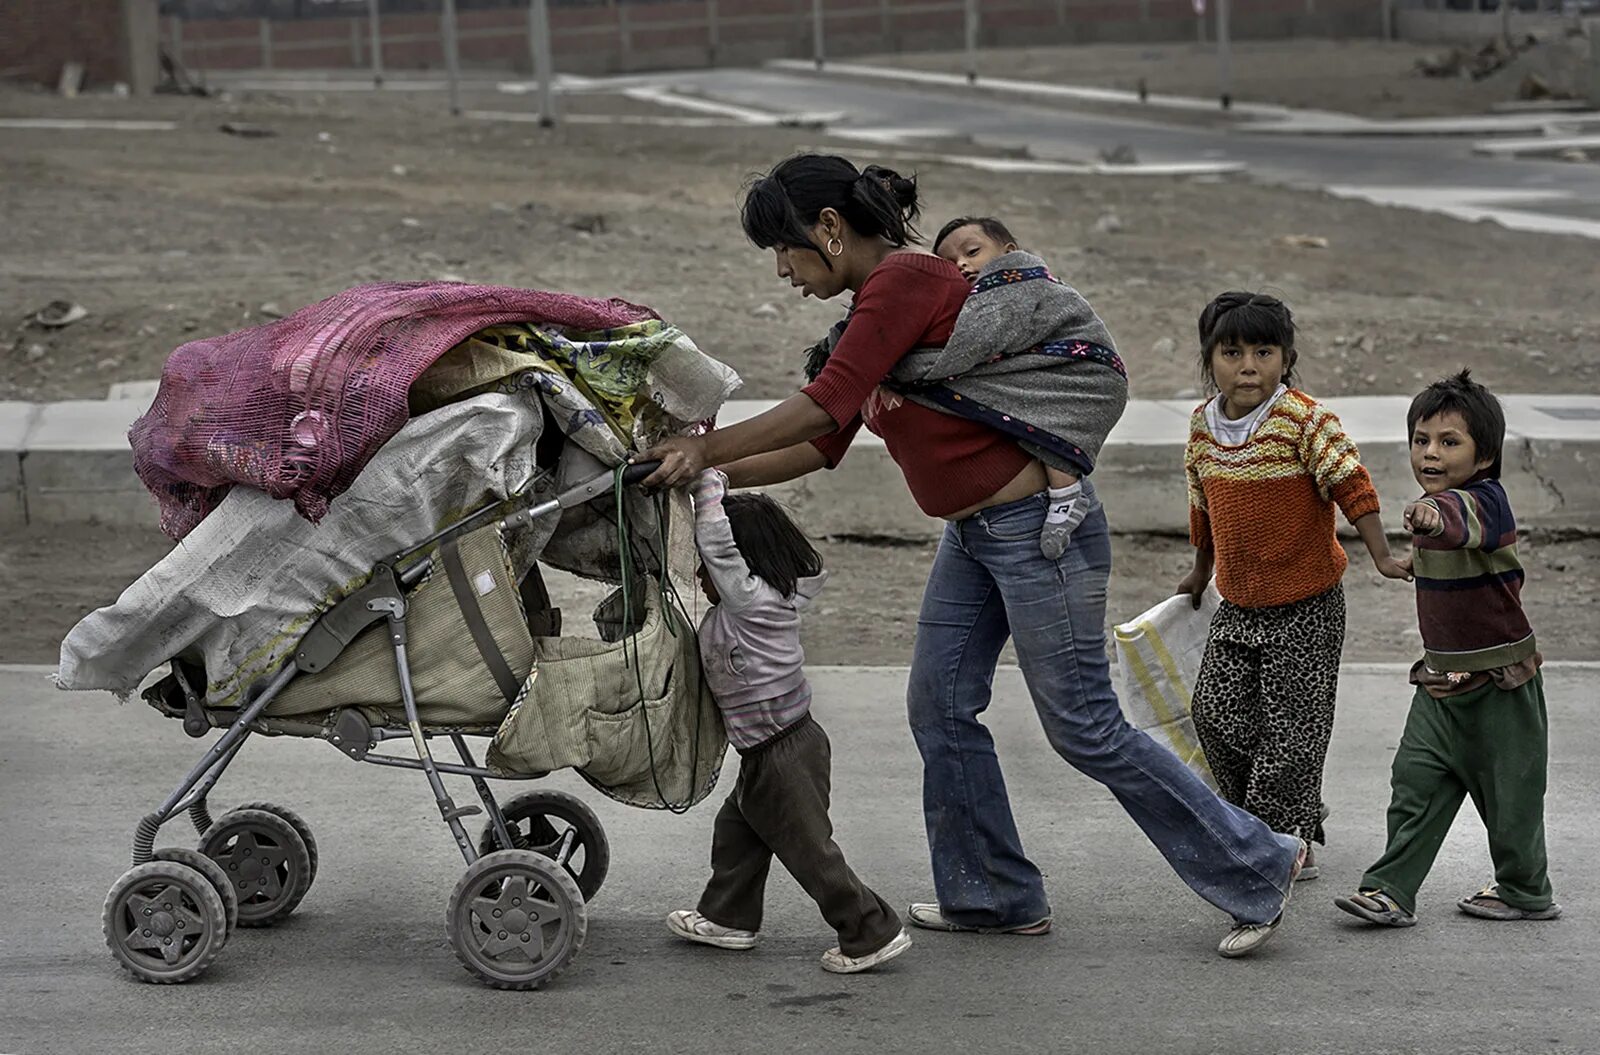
[1486,421]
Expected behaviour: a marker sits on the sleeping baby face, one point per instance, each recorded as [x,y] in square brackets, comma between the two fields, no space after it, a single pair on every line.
[970,248]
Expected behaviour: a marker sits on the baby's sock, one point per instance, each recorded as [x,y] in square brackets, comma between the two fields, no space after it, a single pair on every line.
[1066,512]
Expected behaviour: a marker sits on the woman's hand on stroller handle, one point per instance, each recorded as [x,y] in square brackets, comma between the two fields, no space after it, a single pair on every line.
[679,460]
[638,471]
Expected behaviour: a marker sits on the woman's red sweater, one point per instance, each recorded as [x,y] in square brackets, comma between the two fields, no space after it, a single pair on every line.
[911,300]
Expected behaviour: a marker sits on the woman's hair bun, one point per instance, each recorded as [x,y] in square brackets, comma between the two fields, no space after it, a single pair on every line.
[902,189]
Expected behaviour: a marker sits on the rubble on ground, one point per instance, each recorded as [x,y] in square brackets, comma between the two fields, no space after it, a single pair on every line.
[1529,67]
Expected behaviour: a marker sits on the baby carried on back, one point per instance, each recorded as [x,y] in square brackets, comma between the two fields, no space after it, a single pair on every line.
[1028,357]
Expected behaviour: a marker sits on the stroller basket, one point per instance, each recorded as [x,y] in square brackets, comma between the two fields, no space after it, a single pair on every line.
[518,915]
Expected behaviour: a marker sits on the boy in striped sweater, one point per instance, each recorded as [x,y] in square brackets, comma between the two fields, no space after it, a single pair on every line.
[1477,724]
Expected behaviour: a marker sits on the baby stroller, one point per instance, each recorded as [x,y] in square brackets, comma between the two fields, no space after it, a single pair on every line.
[517,917]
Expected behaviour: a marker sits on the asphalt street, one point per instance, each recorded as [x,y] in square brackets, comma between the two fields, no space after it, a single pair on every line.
[1442,165]
[364,966]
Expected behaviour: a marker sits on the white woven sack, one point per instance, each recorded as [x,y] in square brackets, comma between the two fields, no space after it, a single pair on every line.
[1158,662]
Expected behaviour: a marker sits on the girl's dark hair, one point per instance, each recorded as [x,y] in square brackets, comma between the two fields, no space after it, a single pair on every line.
[1486,421]
[772,544]
[1237,317]
[991,227]
[781,207]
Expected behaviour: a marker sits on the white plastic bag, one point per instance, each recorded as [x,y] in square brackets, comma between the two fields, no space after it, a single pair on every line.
[1158,661]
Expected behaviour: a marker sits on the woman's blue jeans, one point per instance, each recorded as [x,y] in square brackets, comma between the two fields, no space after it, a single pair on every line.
[990,582]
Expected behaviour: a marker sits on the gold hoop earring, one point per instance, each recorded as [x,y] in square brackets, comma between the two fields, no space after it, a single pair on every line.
[835,242]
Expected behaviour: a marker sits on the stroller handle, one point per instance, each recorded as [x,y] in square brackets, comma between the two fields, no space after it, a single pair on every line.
[638,471]
[632,475]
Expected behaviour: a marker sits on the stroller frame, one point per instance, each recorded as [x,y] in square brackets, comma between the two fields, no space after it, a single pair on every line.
[489,875]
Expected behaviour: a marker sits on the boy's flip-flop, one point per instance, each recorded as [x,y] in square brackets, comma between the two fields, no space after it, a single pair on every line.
[1375,906]
[926,914]
[1487,904]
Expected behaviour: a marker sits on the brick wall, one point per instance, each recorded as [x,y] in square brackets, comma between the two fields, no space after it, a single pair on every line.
[38,36]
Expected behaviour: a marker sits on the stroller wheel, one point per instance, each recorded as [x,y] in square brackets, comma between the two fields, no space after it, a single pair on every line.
[516,920]
[164,922]
[298,824]
[539,819]
[212,871]
[266,861]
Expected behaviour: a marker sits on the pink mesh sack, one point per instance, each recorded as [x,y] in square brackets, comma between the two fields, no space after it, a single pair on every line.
[296,408]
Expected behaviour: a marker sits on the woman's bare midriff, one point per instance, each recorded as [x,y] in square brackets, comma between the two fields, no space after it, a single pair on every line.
[1030,481]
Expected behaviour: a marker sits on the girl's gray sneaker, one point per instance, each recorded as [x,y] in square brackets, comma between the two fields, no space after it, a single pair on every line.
[690,925]
[1309,870]
[837,962]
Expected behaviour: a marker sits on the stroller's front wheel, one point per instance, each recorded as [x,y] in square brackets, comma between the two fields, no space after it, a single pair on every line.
[516,919]
[212,871]
[164,922]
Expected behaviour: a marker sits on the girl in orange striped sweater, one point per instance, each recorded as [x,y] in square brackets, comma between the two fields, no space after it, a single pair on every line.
[1266,464]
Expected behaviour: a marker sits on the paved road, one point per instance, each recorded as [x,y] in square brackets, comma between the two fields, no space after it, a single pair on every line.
[364,967]
[1055,133]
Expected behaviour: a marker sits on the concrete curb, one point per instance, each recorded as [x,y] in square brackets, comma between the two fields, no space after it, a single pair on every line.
[69,462]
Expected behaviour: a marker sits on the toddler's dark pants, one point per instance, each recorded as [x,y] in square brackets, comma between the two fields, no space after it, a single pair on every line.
[779,807]
[1492,744]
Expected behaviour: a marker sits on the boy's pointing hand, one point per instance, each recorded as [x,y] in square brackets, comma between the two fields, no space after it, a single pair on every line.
[1422,518]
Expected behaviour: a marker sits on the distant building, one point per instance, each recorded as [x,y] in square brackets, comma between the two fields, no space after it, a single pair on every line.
[114,40]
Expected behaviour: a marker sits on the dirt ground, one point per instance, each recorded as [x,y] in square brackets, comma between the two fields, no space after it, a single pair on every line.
[1369,78]
[49,579]
[168,236]
[164,237]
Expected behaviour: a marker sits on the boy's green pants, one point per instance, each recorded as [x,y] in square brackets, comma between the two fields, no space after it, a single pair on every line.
[1489,743]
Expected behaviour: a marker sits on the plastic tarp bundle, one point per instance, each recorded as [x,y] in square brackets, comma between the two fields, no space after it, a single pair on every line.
[297,408]
[1158,662]
[242,588]
[239,590]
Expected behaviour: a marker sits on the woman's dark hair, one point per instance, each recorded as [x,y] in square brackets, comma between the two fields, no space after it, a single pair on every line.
[1486,421]
[781,207]
[991,228]
[772,544]
[1236,317]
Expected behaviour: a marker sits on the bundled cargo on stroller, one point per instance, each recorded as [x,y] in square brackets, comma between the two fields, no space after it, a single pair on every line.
[440,637]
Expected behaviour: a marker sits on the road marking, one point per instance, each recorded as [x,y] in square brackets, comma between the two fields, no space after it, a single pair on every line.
[1476,203]
[665,96]
[657,120]
[897,137]
[76,124]
[1046,89]
[1535,145]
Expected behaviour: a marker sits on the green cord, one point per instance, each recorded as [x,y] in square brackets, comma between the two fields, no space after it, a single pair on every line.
[671,606]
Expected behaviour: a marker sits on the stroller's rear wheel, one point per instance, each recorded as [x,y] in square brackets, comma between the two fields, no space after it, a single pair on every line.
[266,861]
[515,919]
[164,922]
[539,819]
[212,871]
